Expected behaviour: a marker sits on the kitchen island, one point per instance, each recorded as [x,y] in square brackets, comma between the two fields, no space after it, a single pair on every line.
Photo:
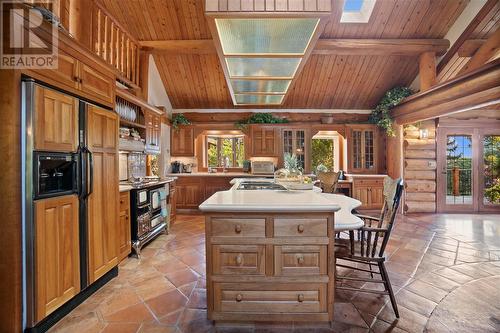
[270,256]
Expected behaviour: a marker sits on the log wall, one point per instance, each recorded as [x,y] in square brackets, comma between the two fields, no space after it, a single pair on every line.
[420,168]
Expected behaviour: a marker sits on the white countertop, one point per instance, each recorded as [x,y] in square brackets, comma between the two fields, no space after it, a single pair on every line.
[344,219]
[268,201]
[217,174]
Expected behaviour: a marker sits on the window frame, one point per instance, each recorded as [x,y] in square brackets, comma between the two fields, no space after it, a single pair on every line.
[219,139]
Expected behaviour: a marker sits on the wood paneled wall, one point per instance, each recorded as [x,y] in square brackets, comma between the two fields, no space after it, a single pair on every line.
[10,204]
[299,117]
[419,170]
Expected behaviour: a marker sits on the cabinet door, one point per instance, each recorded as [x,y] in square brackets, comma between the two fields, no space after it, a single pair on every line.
[103,209]
[66,72]
[57,253]
[363,151]
[362,194]
[153,132]
[264,141]
[125,240]
[56,121]
[96,84]
[182,142]
[192,196]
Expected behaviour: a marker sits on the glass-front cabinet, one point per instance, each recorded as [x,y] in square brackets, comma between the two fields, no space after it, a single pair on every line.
[363,148]
[294,142]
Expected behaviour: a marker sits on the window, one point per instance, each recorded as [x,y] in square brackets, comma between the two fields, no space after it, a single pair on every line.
[357,11]
[225,151]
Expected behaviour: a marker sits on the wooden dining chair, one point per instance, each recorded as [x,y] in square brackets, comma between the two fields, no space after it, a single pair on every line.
[367,244]
[329,181]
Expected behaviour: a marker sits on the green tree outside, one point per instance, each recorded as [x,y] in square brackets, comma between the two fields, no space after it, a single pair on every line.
[322,153]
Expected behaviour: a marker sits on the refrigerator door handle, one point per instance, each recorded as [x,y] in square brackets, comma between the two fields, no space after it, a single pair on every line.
[91,169]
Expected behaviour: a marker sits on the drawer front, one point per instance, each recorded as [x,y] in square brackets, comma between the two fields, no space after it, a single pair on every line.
[124,201]
[238,227]
[300,260]
[369,182]
[293,227]
[239,259]
[270,298]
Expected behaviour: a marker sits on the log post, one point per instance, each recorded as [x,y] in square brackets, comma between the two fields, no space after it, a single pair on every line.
[427,70]
[394,153]
[144,73]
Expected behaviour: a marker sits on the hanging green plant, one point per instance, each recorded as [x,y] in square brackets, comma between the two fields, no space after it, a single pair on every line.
[260,118]
[179,119]
[381,114]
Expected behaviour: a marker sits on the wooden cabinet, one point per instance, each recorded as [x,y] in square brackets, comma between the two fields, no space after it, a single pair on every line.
[370,191]
[56,120]
[270,267]
[57,253]
[103,208]
[182,141]
[363,142]
[172,200]
[153,132]
[80,75]
[264,140]
[294,142]
[96,83]
[125,240]
[191,191]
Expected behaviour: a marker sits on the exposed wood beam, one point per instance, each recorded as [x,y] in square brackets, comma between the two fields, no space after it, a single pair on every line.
[469,47]
[407,47]
[427,70]
[487,51]
[479,88]
[466,35]
[198,46]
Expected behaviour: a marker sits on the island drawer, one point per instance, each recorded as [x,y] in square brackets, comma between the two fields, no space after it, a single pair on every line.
[270,297]
[238,227]
[301,227]
[238,259]
[300,260]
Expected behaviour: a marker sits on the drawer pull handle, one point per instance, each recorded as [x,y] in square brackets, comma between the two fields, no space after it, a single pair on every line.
[300,298]
[300,260]
[237,228]
[121,201]
[239,260]
[300,228]
[239,298]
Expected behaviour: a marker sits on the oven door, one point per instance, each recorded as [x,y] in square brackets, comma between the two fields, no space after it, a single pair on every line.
[156,220]
[155,199]
[142,198]
[143,225]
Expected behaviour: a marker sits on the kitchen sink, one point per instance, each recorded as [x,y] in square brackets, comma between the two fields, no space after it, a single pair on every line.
[260,186]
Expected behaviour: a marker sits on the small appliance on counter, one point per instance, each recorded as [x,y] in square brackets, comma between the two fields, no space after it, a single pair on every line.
[262,167]
[187,168]
[247,166]
[342,175]
[176,167]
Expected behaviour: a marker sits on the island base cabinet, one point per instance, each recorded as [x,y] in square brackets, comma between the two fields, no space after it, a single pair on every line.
[270,266]
[270,298]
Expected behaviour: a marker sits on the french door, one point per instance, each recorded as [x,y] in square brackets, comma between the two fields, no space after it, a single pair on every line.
[468,170]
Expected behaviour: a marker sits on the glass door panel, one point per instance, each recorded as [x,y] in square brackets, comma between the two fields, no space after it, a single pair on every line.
[490,191]
[459,182]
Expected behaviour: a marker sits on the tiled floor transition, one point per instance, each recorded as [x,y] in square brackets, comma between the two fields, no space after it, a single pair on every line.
[445,270]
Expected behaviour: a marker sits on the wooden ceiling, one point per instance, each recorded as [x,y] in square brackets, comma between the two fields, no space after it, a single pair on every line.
[327,81]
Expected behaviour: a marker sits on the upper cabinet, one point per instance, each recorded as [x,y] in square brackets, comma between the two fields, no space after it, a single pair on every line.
[153,132]
[80,75]
[182,141]
[264,140]
[294,142]
[56,121]
[363,142]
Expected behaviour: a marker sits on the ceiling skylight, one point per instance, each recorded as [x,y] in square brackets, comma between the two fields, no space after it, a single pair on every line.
[263,45]
[357,11]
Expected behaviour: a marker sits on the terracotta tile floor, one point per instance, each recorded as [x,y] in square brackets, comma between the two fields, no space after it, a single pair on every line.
[445,270]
